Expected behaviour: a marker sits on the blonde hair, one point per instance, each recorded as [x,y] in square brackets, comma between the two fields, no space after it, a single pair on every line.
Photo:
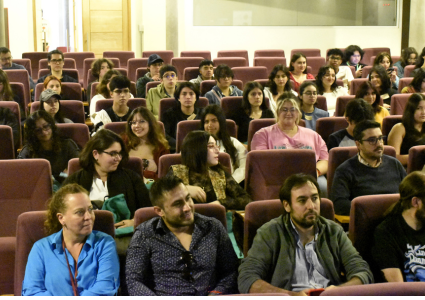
[284,99]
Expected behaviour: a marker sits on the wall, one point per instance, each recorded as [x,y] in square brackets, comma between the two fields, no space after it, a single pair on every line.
[417,32]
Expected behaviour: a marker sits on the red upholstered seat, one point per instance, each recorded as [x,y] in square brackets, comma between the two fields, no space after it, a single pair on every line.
[234,53]
[389,122]
[408,70]
[70,90]
[19,91]
[140,72]
[246,74]
[34,57]
[26,62]
[184,62]
[269,53]
[341,104]
[416,160]
[79,133]
[326,126]
[306,52]
[404,82]
[398,103]
[206,54]
[269,62]
[231,61]
[79,58]
[369,52]
[315,62]
[355,84]
[71,109]
[190,73]
[132,66]
[7,150]
[123,56]
[21,76]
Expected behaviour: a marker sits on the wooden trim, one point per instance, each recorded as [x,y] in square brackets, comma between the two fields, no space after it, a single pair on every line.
[86,24]
[34,23]
[129,24]
[405,24]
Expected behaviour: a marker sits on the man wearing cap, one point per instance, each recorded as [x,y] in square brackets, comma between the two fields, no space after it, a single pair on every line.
[50,102]
[155,63]
[7,64]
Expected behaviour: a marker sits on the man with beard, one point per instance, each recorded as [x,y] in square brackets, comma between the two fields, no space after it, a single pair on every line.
[370,172]
[300,250]
[399,248]
[7,64]
[180,252]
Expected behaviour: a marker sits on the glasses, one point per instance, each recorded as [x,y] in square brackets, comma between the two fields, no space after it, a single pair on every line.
[335,58]
[121,91]
[310,93]
[45,127]
[291,110]
[5,59]
[134,123]
[56,61]
[51,102]
[114,154]
[187,259]
[169,76]
[374,140]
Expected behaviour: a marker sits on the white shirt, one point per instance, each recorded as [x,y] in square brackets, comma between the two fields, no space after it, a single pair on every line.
[239,173]
[344,72]
[331,98]
[93,105]
[98,190]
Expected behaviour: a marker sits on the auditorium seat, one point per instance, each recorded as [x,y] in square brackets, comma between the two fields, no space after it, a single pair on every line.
[22,77]
[246,74]
[77,132]
[70,72]
[315,63]
[79,58]
[341,104]
[132,66]
[71,109]
[408,70]
[166,55]
[369,52]
[405,81]
[233,53]
[389,122]
[123,56]
[151,84]
[398,103]
[184,62]
[7,150]
[34,57]
[232,104]
[206,54]
[87,66]
[230,61]
[328,125]
[14,107]
[322,102]
[207,85]
[70,90]
[134,163]
[166,103]
[140,72]
[190,73]
[263,82]
[416,160]
[256,125]
[19,91]
[69,63]
[366,71]
[26,62]
[30,229]
[306,52]
[269,53]
[258,213]
[269,62]
[355,84]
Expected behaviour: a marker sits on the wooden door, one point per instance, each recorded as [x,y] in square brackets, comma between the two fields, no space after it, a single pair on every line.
[106,25]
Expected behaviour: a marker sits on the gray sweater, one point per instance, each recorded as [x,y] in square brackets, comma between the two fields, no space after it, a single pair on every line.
[272,255]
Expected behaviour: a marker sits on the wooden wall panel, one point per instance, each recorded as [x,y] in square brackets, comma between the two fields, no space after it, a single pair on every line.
[106,21]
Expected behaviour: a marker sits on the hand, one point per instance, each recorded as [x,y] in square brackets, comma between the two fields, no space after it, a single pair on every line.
[387,106]
[155,77]
[393,76]
[197,193]
[330,287]
[124,223]
[359,72]
[152,166]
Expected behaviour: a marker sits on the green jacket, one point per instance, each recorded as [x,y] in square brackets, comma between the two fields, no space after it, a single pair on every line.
[272,255]
[154,95]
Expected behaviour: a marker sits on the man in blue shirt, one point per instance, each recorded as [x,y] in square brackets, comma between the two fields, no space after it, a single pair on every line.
[7,64]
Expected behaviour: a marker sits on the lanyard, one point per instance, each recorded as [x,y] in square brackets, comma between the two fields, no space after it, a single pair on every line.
[73,278]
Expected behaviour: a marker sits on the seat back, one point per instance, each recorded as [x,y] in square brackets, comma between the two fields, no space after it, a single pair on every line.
[266,170]
[205,54]
[69,90]
[26,62]
[19,91]
[167,103]
[269,62]
[70,72]
[22,77]
[389,122]
[369,52]
[34,57]
[398,103]
[326,126]
[133,64]
[416,160]
[91,78]
[71,109]
[69,63]
[134,163]
[408,70]
[231,61]
[355,84]
[404,82]
[184,62]
[322,102]
[258,213]
[132,103]
[167,160]
[315,62]
[6,137]
[269,53]
[150,85]
[14,107]
[256,125]
[190,73]
[123,56]
[87,66]
[306,52]
[79,133]
[366,71]
[140,72]
[247,74]
[30,229]
[207,85]
[341,104]
[79,58]
[233,53]
[230,105]
[166,55]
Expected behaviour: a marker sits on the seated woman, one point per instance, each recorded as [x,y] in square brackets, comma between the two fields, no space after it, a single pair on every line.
[213,121]
[417,85]
[353,54]
[6,93]
[278,84]
[369,93]
[381,81]
[253,107]
[53,260]
[98,69]
[144,138]
[53,83]
[186,96]
[408,57]
[223,76]
[205,178]
[420,63]
[384,59]
[326,86]
[308,100]
[50,102]
[119,111]
[286,134]
[43,141]
[103,91]
[298,70]
[411,131]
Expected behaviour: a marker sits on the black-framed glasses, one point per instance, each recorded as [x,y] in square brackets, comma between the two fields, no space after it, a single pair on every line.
[45,127]
[114,154]
[374,140]
[187,259]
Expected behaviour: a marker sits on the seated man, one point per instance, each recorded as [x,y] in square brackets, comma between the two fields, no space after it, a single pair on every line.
[344,73]
[300,250]
[56,60]
[399,240]
[7,64]
[180,252]
[357,110]
[206,71]
[186,96]
[370,172]
[155,63]
[168,78]
[223,76]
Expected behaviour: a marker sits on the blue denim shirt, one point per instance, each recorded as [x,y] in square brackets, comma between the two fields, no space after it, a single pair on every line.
[47,272]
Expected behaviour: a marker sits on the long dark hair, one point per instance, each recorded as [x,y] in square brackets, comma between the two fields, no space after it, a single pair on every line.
[417,80]
[294,58]
[420,60]
[408,118]
[7,90]
[102,88]
[32,141]
[194,151]
[222,133]
[319,78]
[97,65]
[362,91]
[349,51]
[249,86]
[383,75]
[58,115]
[405,55]
[272,85]
[380,57]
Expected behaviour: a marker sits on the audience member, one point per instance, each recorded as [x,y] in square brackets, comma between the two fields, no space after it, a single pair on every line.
[186,96]
[417,85]
[298,70]
[353,54]
[180,252]
[6,93]
[98,69]
[384,59]
[327,86]
[370,94]
[300,250]
[7,64]
[50,102]
[145,139]
[278,83]
[55,60]
[206,72]
[411,131]
[308,101]
[408,57]
[7,117]
[253,107]
[72,244]
[370,172]
[286,134]
[54,84]
[223,76]
[420,63]
[400,238]
[155,63]
[213,121]
[381,81]
[342,72]
[168,78]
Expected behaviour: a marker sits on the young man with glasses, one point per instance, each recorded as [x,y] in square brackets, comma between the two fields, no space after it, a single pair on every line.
[168,78]
[56,60]
[344,73]
[180,252]
[370,172]
[7,63]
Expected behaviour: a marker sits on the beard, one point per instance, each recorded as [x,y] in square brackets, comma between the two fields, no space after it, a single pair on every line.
[420,215]
[304,222]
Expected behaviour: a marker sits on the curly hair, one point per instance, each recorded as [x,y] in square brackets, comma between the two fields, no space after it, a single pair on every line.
[294,58]
[102,88]
[7,93]
[380,58]
[97,65]
[408,118]
[405,55]
[272,85]
[362,92]
[319,79]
